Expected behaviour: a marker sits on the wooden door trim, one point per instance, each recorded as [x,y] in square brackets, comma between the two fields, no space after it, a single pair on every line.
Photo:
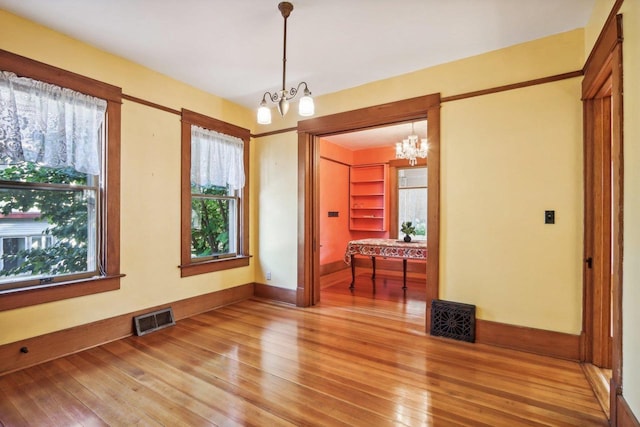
[308,158]
[603,68]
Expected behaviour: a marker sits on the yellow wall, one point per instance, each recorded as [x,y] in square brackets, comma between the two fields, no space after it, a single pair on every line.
[150,204]
[517,154]
[505,159]
[630,11]
[277,203]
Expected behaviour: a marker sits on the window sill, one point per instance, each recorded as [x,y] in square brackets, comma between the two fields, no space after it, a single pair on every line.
[212,265]
[16,298]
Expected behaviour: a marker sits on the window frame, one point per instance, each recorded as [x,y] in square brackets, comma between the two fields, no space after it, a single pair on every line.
[188,265]
[397,191]
[109,193]
[394,165]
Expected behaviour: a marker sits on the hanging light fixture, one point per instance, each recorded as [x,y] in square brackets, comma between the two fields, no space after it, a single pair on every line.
[410,149]
[282,97]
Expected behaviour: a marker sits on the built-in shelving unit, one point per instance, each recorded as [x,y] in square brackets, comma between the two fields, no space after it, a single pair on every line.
[368,198]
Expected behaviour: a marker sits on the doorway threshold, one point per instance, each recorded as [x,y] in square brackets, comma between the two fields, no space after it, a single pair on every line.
[600,380]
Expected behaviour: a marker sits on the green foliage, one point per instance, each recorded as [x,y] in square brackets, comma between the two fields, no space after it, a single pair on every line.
[65,211]
[421,229]
[407,228]
[210,222]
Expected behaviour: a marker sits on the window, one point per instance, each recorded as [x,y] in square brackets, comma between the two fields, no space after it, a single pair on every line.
[59,203]
[52,204]
[412,200]
[215,199]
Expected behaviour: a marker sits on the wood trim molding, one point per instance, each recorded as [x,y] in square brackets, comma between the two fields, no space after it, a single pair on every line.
[598,67]
[433,203]
[363,118]
[26,67]
[332,267]
[274,132]
[61,343]
[275,293]
[603,77]
[404,163]
[605,40]
[193,118]
[59,291]
[513,86]
[151,104]
[539,341]
[308,209]
[306,244]
[626,417]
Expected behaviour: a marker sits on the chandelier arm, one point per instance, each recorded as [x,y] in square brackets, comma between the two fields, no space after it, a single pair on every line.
[274,97]
[294,90]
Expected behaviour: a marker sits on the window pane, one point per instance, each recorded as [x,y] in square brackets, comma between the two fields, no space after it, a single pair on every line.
[61,225]
[412,206]
[414,177]
[11,248]
[213,226]
[412,200]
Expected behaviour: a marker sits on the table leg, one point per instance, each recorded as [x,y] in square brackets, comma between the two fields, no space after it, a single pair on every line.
[404,273]
[353,271]
[373,261]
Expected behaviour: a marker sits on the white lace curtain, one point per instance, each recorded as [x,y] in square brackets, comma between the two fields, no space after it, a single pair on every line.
[48,124]
[216,159]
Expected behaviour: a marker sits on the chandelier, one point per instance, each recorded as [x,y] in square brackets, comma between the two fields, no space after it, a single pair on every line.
[282,97]
[410,149]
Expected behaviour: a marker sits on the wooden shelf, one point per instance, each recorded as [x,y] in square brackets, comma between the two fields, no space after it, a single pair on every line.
[368,198]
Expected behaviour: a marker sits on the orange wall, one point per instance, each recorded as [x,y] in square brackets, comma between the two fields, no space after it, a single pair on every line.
[335,152]
[334,196]
[374,155]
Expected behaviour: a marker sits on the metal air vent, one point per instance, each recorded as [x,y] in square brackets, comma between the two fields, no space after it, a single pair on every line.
[153,321]
[453,320]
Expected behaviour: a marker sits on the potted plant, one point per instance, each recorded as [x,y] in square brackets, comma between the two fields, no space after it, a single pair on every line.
[408,230]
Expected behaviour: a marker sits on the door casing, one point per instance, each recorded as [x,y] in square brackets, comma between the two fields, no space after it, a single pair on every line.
[428,106]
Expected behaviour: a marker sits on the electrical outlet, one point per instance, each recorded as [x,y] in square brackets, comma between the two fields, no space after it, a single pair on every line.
[268,275]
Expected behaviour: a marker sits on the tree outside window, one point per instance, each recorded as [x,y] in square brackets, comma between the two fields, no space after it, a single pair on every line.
[63,202]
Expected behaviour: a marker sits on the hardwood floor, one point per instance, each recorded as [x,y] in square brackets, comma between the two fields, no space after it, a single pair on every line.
[354,360]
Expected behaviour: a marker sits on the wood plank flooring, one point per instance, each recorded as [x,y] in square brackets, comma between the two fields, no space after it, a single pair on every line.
[356,359]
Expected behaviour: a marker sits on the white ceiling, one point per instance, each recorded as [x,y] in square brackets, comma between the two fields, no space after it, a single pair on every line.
[233,49]
[378,137]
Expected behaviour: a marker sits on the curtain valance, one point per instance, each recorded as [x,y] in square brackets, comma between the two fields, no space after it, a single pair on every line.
[216,159]
[49,125]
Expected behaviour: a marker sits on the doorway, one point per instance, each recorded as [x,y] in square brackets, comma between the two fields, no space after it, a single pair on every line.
[366,193]
[309,132]
[602,272]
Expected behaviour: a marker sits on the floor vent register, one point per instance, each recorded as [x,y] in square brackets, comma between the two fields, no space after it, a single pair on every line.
[453,320]
[149,322]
